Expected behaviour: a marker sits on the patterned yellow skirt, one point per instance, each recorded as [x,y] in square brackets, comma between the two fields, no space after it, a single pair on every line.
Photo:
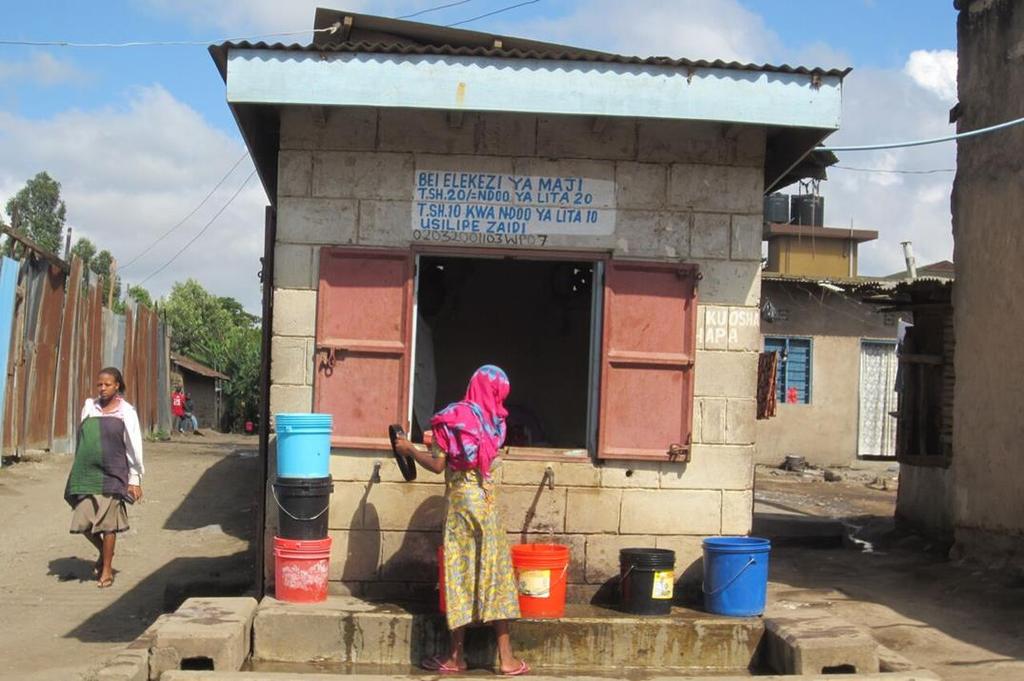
[479,581]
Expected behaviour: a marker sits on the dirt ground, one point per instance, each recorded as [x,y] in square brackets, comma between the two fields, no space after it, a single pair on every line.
[961,620]
[190,535]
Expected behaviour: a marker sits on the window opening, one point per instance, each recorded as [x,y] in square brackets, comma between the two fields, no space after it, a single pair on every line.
[533,318]
[793,381]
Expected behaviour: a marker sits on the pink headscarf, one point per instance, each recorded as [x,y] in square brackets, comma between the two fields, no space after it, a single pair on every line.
[472,431]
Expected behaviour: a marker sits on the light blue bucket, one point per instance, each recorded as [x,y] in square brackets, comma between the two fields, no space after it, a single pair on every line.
[735,575]
[303,445]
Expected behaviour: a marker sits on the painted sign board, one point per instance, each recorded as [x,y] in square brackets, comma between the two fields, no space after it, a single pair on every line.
[507,209]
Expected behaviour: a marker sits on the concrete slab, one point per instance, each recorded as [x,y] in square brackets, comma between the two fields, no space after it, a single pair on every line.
[349,631]
[789,529]
[292,676]
[204,631]
[132,662]
[815,642]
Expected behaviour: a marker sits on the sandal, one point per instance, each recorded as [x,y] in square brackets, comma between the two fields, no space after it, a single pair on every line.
[440,665]
[522,669]
[105,583]
[406,464]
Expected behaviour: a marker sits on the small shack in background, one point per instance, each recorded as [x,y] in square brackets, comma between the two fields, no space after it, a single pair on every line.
[203,384]
[926,384]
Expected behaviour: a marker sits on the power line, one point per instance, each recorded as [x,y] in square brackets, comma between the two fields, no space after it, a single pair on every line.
[491,14]
[434,9]
[166,43]
[201,232]
[897,171]
[206,198]
[920,143]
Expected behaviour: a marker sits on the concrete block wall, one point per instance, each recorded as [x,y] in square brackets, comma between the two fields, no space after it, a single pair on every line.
[684,193]
[386,532]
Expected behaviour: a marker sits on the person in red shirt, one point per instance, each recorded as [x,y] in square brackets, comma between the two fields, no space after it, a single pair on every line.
[178,407]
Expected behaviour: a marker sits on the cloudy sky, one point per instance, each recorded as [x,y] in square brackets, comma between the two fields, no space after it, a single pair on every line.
[138,137]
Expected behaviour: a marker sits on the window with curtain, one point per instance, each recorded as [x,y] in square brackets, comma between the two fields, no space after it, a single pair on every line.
[793,380]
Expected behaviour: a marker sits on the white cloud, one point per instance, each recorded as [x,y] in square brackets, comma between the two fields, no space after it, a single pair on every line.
[239,19]
[683,28]
[935,71]
[887,106]
[129,172]
[42,68]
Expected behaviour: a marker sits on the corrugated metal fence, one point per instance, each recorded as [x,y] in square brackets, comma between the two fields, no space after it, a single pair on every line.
[60,336]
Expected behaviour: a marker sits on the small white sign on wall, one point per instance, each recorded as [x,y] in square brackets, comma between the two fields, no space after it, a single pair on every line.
[508,209]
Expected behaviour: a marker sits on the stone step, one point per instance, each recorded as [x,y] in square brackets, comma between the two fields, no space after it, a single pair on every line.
[349,631]
[301,676]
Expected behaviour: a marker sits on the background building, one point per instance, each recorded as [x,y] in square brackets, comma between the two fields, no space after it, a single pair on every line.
[203,385]
[837,370]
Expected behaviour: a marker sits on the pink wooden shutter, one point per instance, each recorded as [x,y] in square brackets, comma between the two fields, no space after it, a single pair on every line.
[363,339]
[650,314]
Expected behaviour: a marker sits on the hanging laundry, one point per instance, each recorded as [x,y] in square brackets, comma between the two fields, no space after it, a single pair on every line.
[767,371]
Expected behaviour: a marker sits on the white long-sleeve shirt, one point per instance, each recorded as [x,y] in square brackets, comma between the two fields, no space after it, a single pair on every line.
[133,434]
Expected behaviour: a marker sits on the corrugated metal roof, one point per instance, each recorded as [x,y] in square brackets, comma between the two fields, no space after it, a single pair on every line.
[195,367]
[558,53]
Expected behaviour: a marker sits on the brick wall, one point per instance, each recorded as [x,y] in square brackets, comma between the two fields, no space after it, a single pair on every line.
[684,192]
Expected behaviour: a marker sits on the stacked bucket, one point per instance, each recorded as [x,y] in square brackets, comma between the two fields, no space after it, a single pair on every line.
[302,490]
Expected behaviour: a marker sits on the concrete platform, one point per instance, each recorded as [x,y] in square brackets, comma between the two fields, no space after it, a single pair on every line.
[789,529]
[815,642]
[212,632]
[275,676]
[349,631]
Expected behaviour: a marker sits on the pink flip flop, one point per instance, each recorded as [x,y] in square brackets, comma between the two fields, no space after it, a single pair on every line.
[436,664]
[521,670]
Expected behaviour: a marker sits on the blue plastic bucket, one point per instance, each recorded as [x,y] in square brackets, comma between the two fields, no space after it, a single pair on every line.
[303,445]
[735,575]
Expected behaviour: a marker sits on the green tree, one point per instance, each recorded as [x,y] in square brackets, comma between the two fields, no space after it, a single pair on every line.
[139,295]
[100,265]
[218,332]
[38,212]
[85,250]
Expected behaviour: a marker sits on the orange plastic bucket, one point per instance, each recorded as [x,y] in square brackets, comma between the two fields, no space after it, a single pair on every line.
[301,567]
[541,571]
[442,601]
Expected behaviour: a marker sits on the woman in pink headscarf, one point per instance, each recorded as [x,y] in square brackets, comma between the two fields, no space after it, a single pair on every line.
[479,581]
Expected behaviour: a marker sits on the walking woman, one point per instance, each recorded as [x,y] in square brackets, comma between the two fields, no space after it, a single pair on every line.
[107,472]
[479,582]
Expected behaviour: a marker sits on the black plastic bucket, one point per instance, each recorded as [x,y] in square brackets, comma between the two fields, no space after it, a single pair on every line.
[303,506]
[646,581]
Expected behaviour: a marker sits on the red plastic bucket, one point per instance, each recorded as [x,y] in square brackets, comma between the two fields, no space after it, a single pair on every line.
[301,567]
[541,577]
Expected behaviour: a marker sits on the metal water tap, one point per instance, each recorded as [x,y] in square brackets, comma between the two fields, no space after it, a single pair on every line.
[549,478]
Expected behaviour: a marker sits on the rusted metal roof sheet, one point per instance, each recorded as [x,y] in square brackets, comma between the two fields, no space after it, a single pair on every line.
[196,367]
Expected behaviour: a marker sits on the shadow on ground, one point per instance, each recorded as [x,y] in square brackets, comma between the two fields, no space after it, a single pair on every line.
[981,605]
[222,502]
[162,591]
[72,569]
[209,503]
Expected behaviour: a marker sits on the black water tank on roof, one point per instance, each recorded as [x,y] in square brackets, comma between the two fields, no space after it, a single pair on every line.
[807,209]
[776,208]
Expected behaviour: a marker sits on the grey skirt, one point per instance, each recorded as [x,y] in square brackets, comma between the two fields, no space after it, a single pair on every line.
[98,513]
